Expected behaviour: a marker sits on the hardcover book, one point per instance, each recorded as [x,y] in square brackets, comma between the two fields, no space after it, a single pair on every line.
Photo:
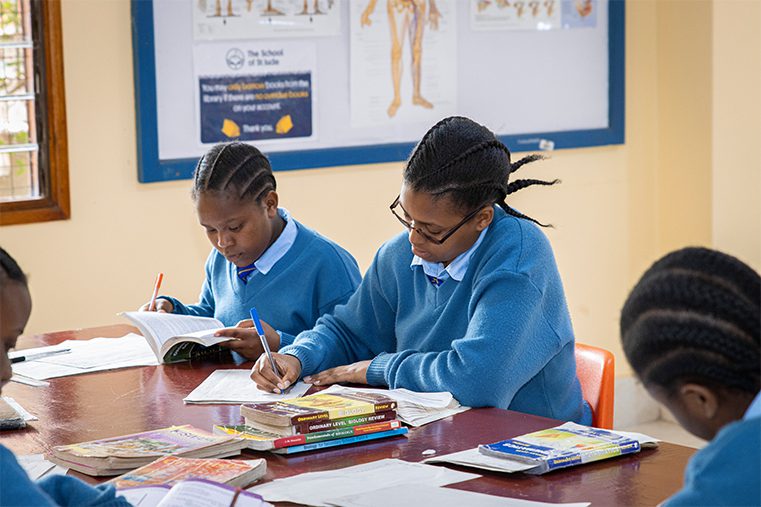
[316,407]
[566,445]
[323,424]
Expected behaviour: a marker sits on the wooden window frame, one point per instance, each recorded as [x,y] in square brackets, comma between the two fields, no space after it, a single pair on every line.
[53,157]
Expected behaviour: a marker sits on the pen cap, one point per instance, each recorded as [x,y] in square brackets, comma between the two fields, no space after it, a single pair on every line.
[257,322]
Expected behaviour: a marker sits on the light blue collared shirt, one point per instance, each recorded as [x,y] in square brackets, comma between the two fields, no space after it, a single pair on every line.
[754,410]
[455,269]
[279,248]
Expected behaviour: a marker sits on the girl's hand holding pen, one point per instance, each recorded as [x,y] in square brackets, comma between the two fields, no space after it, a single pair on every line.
[265,378]
[161,306]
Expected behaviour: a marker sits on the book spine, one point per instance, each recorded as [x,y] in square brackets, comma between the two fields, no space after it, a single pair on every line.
[343,413]
[315,426]
[341,441]
[350,431]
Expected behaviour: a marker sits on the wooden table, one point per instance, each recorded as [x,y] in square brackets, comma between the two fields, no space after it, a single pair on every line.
[99,405]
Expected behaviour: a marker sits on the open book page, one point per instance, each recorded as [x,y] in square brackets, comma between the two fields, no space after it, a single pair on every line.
[160,328]
[202,493]
[236,386]
[318,488]
[144,496]
[426,494]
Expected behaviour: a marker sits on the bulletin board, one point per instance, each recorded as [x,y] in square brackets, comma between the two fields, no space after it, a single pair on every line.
[322,83]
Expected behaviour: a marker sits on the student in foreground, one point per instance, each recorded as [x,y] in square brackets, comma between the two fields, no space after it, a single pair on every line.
[16,489]
[262,256]
[691,330]
[468,300]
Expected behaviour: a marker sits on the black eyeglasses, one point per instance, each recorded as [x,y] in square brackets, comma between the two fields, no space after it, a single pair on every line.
[428,237]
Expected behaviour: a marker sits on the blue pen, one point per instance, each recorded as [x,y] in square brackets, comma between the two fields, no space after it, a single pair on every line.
[265,345]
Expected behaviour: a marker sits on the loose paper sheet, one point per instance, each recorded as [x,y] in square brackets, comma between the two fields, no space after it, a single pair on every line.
[318,488]
[235,387]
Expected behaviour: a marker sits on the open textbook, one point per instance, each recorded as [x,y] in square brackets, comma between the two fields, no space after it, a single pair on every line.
[176,338]
[191,493]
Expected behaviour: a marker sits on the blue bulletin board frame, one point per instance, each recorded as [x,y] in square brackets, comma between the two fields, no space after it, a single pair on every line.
[152,169]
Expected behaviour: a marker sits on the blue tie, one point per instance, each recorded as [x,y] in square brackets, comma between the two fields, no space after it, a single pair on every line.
[245,272]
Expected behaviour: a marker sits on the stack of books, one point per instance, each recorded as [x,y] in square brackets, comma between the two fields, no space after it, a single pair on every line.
[315,422]
[114,456]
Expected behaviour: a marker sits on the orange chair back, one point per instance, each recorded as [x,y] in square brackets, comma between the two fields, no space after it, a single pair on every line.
[595,368]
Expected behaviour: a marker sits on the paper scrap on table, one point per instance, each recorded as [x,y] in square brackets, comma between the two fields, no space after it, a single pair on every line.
[28,381]
[236,386]
[413,408]
[19,409]
[87,356]
[318,488]
[473,458]
[37,467]
[427,494]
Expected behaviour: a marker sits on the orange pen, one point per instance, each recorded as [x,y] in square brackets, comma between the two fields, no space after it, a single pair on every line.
[156,288]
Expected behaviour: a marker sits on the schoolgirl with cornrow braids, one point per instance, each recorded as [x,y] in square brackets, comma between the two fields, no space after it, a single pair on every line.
[262,256]
[467,300]
[691,329]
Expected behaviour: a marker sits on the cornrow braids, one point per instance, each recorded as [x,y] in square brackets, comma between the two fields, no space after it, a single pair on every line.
[464,161]
[234,168]
[10,269]
[695,316]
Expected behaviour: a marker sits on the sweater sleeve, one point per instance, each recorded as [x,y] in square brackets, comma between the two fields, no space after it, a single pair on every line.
[205,306]
[358,330]
[503,347]
[72,492]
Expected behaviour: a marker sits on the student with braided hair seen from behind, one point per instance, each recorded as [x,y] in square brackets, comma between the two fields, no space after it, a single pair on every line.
[691,329]
[467,300]
[262,256]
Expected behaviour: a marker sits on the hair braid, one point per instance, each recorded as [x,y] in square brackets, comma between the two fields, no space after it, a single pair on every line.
[465,162]
[695,316]
[235,168]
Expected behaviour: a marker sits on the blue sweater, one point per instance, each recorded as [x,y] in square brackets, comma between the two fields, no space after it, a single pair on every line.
[727,471]
[501,337]
[16,489]
[312,278]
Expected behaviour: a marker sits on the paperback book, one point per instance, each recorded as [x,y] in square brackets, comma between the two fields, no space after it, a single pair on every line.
[340,441]
[177,338]
[563,446]
[114,456]
[323,424]
[192,492]
[316,407]
[262,441]
[169,470]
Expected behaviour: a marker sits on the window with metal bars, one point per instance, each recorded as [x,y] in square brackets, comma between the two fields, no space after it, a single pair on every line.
[33,151]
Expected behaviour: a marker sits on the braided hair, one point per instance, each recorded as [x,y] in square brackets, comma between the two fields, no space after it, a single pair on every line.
[236,168]
[465,161]
[695,317]
[10,269]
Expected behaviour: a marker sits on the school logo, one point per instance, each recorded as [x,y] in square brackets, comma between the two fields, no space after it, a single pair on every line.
[235,58]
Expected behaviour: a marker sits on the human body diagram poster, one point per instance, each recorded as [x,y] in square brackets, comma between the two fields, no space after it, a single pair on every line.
[336,82]
[403,61]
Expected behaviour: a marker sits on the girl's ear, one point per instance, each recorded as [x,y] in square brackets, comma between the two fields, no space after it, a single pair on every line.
[270,202]
[484,218]
[699,401]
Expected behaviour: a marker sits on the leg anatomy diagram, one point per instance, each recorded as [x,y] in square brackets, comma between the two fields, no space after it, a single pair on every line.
[407,19]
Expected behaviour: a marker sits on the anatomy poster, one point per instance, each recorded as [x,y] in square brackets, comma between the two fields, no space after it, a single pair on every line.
[260,19]
[403,61]
[515,14]
[255,91]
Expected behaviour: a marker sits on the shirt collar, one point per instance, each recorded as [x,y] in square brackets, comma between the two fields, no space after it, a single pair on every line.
[280,247]
[455,269]
[754,410]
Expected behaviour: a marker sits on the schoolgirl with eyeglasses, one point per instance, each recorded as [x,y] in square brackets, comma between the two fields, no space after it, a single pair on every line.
[467,300]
